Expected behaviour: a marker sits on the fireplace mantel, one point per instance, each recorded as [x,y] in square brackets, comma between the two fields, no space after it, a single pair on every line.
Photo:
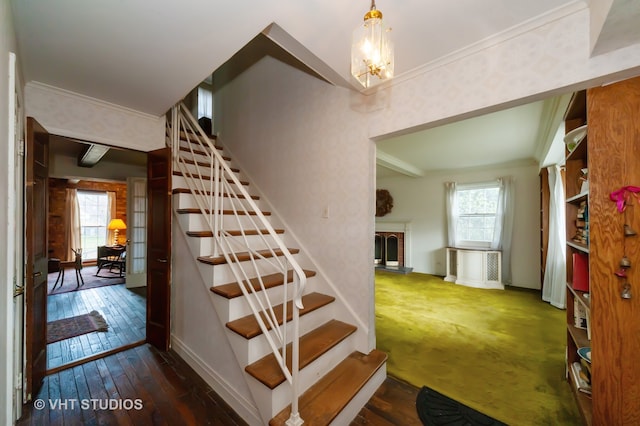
[393,227]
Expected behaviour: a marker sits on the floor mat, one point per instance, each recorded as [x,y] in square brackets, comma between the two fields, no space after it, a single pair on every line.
[435,409]
[75,326]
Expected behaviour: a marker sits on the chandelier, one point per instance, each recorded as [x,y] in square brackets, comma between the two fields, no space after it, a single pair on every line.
[372,50]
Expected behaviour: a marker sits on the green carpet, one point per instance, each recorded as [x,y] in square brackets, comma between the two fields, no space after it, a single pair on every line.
[499,352]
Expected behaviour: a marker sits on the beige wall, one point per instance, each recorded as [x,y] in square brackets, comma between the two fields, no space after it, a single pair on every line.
[305,148]
[552,59]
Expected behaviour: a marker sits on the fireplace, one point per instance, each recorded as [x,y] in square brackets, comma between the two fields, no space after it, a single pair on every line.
[391,246]
[389,249]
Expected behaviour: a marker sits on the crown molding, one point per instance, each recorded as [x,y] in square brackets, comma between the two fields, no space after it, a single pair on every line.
[88,99]
[390,162]
[472,49]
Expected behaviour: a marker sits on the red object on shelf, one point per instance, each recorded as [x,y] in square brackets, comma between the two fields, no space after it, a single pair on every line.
[580,272]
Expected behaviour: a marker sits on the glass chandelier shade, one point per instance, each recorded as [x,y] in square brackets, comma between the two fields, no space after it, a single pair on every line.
[372,50]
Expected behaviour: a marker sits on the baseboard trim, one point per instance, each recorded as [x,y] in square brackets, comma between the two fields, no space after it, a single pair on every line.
[224,389]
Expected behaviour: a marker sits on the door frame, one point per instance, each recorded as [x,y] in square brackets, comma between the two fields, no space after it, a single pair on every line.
[22,374]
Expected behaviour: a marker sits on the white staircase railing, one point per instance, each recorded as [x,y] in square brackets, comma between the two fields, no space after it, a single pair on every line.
[218,193]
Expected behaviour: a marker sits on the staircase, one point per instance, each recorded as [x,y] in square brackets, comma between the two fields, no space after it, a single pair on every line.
[300,362]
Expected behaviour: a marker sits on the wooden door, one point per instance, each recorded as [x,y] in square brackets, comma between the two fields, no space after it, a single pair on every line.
[159,247]
[37,165]
[136,259]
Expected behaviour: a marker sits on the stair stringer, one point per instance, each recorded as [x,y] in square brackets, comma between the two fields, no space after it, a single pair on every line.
[269,402]
[209,354]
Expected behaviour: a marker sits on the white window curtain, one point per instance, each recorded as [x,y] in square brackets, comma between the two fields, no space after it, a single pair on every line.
[111,209]
[503,230]
[555,273]
[452,213]
[72,223]
[205,103]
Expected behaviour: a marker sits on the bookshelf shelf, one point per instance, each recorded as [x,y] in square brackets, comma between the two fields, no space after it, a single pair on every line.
[579,336]
[581,247]
[581,296]
[577,199]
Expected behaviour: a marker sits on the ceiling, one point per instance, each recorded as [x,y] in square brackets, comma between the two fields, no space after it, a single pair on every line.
[522,135]
[147,55]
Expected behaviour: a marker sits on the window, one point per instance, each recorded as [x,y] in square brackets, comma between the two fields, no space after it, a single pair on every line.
[94,217]
[477,206]
[205,103]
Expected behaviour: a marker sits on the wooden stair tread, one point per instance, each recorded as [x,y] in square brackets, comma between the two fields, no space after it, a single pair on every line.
[323,401]
[188,191]
[204,177]
[184,134]
[243,256]
[312,345]
[233,232]
[248,327]
[203,164]
[232,290]
[196,210]
[200,152]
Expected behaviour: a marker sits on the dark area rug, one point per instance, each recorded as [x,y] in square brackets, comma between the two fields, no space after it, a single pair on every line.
[88,276]
[75,326]
[435,409]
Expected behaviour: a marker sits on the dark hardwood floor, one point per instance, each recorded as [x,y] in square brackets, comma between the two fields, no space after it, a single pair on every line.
[140,386]
[148,387]
[123,309]
[145,386]
[394,403]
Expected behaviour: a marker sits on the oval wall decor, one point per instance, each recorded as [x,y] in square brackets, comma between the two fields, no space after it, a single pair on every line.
[384,202]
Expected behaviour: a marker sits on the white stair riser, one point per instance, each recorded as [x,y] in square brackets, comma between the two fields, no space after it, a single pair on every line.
[249,351]
[223,274]
[188,201]
[203,169]
[200,157]
[238,307]
[273,401]
[199,222]
[204,246]
[181,182]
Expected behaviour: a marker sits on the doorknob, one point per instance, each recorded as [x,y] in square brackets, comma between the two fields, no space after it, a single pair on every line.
[37,274]
[161,260]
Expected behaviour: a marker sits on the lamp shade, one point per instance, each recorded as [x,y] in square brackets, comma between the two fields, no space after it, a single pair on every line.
[116,224]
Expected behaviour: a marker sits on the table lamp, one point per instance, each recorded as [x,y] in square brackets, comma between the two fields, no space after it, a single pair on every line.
[116,225]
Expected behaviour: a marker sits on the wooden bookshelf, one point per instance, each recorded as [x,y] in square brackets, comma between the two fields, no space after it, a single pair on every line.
[610,153]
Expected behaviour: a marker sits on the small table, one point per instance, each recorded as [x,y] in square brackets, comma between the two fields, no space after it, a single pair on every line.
[111,257]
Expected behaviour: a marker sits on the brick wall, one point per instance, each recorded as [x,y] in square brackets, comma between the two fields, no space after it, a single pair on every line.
[57,213]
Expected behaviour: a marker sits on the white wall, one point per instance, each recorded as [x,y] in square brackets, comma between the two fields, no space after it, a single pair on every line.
[7,353]
[420,202]
[198,336]
[303,143]
[69,114]
[552,59]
